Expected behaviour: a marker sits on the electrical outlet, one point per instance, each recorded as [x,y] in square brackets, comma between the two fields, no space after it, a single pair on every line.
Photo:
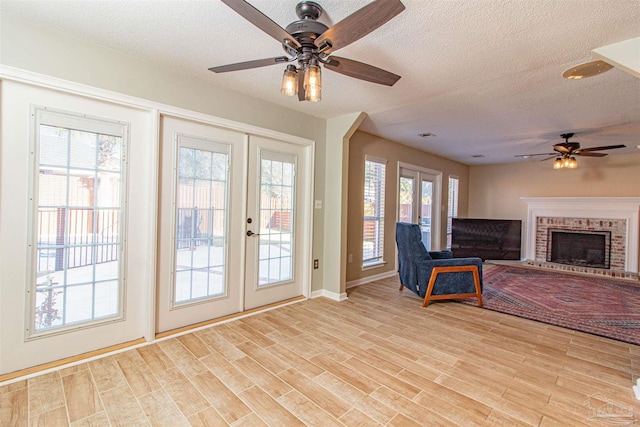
[316,264]
[350,258]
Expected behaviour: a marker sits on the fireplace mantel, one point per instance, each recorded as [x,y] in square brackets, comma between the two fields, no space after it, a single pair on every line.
[627,208]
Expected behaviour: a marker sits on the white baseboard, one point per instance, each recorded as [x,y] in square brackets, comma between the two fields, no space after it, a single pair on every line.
[328,294]
[369,279]
[343,296]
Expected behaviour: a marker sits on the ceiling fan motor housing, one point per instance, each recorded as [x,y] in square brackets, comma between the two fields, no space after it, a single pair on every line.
[571,146]
[307,28]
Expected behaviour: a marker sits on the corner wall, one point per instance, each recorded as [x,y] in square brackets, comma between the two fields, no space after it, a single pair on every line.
[363,144]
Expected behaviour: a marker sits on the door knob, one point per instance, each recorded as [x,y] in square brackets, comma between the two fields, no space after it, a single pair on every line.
[251,233]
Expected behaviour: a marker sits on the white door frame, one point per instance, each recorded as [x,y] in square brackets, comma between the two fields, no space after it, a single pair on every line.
[436,206]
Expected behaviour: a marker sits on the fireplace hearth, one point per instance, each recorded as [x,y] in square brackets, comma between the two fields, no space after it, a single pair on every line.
[580,248]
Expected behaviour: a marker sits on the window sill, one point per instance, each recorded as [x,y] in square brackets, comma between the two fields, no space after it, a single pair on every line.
[373,265]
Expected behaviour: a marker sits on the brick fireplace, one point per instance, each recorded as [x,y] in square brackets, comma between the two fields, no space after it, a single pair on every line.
[615,247]
[615,217]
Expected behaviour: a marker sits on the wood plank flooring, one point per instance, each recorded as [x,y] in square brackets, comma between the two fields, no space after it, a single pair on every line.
[378,358]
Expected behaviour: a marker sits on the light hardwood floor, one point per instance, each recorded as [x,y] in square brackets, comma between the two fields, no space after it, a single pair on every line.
[378,358]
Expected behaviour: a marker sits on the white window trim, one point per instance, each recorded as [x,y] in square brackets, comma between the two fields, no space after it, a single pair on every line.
[373,265]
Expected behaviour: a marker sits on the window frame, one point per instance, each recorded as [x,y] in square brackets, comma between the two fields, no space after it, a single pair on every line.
[42,115]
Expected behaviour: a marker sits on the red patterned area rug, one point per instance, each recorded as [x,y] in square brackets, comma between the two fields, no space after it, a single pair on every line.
[592,304]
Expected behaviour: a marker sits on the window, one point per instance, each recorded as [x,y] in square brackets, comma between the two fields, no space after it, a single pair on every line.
[78,220]
[453,206]
[373,231]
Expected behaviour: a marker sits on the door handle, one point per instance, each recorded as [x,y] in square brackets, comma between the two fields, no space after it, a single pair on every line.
[251,233]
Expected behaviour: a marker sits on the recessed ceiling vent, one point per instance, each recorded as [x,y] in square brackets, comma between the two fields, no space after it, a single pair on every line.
[426,134]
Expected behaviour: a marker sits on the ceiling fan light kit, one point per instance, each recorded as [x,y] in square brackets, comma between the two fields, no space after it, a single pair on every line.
[311,43]
[565,152]
[567,162]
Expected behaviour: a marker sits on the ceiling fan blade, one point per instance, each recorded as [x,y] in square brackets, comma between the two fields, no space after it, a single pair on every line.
[608,147]
[532,155]
[361,71]
[588,154]
[549,158]
[249,64]
[261,21]
[358,24]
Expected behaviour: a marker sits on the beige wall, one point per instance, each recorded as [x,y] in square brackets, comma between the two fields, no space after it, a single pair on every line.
[53,53]
[495,190]
[363,144]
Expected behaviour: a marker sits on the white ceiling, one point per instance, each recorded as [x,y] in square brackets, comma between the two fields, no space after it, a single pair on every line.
[484,76]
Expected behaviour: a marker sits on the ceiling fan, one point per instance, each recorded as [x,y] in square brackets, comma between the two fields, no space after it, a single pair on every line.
[311,43]
[566,151]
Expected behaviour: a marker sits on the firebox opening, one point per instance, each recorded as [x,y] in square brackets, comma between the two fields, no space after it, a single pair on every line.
[582,248]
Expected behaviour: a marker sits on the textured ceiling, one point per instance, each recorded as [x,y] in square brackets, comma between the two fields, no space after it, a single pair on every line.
[483,76]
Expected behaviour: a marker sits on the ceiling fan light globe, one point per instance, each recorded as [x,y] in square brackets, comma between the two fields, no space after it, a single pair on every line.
[313,83]
[312,76]
[313,94]
[557,164]
[289,81]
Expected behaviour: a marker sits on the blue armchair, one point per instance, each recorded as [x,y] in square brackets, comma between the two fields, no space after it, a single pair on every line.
[435,275]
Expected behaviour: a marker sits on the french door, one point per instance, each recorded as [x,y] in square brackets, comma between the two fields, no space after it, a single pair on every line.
[419,202]
[201,167]
[232,210]
[274,232]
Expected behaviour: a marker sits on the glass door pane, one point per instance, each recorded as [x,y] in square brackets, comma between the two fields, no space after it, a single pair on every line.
[200,224]
[405,208]
[426,197]
[277,193]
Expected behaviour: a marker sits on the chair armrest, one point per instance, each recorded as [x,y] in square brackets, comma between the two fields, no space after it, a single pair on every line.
[425,267]
[441,254]
[457,261]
